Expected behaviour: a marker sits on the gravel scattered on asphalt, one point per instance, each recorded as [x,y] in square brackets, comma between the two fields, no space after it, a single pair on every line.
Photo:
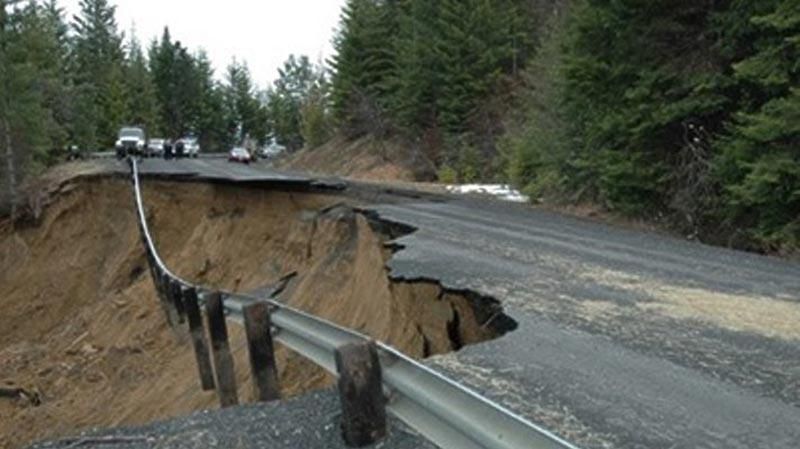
[309,421]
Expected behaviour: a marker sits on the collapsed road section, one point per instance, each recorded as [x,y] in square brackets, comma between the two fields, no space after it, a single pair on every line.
[446,412]
[92,345]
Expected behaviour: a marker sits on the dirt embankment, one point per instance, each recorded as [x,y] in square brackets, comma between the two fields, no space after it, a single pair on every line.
[367,158]
[82,333]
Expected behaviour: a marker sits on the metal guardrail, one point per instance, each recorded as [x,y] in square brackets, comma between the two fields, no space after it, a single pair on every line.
[447,413]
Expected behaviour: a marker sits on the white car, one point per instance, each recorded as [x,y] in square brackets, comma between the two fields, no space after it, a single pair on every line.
[156,147]
[191,147]
[273,149]
[186,147]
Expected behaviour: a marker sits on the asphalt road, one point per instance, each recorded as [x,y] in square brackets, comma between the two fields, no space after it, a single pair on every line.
[625,339]
[204,169]
[308,422]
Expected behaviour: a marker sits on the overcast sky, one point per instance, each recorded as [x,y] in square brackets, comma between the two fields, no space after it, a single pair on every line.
[261,32]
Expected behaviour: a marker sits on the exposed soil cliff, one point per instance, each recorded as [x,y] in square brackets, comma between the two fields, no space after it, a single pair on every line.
[83,336]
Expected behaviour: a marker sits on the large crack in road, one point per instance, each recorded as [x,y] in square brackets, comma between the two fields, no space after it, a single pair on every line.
[85,332]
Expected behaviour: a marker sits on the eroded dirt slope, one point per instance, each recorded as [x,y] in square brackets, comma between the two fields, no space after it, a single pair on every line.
[83,335]
[366,158]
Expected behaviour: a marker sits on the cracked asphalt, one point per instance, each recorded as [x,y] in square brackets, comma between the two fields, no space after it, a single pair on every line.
[625,339]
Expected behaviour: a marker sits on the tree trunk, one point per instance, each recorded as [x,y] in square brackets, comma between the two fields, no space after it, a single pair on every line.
[10,167]
[4,112]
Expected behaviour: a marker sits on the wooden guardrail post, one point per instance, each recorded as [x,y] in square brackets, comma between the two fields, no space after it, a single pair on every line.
[198,335]
[176,291]
[220,348]
[167,301]
[155,273]
[158,282]
[151,266]
[361,394]
[142,236]
[258,327]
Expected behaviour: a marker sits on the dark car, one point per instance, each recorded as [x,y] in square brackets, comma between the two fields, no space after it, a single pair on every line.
[240,154]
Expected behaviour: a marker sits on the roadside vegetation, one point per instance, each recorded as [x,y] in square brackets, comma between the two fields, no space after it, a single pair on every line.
[682,113]
[686,113]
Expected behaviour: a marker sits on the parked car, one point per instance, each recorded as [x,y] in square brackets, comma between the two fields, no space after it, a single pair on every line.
[240,154]
[156,147]
[271,150]
[187,147]
[194,147]
[74,153]
[131,141]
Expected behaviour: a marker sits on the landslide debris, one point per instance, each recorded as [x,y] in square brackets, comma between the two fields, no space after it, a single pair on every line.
[83,330]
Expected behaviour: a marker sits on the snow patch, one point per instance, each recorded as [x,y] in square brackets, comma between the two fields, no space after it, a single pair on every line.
[501,191]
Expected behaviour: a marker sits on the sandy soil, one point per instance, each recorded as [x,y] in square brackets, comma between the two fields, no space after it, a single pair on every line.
[82,332]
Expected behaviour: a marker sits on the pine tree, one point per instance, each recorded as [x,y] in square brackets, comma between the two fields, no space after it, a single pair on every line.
[161,59]
[684,110]
[537,145]
[363,65]
[142,105]
[97,61]
[43,38]
[297,104]
[475,46]
[185,91]
[189,99]
[638,83]
[29,57]
[415,79]
[315,115]
[759,164]
[178,85]
[7,81]
[291,88]
[246,120]
[210,117]
[416,66]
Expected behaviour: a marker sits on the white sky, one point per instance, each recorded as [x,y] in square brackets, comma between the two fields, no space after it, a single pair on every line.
[261,32]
